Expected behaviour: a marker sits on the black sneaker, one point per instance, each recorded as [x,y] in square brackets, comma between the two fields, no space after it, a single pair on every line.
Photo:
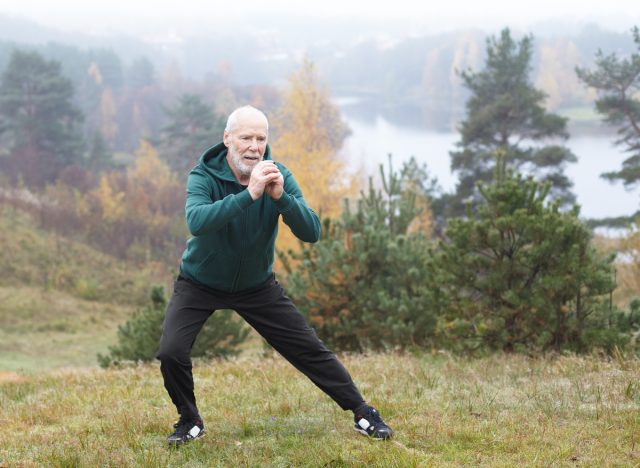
[371,424]
[186,431]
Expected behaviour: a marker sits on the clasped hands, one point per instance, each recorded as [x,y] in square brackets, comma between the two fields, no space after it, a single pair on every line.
[266,178]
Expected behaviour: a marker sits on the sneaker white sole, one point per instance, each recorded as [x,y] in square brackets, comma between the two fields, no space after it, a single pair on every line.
[176,443]
[365,433]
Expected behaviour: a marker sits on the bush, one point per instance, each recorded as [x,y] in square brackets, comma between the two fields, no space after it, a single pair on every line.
[139,337]
[520,275]
[614,328]
[364,285]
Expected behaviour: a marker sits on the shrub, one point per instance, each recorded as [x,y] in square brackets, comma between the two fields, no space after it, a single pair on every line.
[364,285]
[519,274]
[139,337]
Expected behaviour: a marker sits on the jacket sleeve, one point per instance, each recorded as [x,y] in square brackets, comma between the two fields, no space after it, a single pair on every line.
[301,219]
[205,215]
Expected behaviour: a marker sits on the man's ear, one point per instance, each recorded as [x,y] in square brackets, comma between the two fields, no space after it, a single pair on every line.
[225,138]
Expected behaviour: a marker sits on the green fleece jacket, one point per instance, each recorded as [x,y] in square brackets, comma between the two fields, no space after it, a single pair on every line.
[232,248]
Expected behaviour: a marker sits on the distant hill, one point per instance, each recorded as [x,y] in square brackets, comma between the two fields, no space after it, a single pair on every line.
[61,301]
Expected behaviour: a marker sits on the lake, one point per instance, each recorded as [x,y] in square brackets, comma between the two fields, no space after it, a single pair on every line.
[373,138]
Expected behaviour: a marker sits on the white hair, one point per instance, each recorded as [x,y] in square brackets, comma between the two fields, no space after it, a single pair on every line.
[232,121]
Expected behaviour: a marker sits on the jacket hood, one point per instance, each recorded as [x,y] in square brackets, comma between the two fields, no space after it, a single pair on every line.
[214,161]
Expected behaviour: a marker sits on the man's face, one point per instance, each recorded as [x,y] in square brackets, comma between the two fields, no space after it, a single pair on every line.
[246,143]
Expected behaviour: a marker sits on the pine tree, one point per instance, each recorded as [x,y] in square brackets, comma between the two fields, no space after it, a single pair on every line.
[192,128]
[139,337]
[618,81]
[519,274]
[505,112]
[141,73]
[364,285]
[100,157]
[38,121]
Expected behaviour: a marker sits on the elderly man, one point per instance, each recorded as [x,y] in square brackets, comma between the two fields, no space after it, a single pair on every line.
[235,196]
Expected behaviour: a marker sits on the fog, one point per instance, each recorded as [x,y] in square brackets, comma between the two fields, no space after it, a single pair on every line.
[398,58]
[401,17]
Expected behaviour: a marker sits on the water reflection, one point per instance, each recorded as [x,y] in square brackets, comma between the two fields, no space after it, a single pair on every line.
[377,131]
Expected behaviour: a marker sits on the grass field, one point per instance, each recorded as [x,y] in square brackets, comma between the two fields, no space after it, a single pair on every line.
[497,411]
[45,329]
[61,302]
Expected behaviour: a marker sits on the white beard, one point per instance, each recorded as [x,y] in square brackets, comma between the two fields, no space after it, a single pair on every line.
[242,168]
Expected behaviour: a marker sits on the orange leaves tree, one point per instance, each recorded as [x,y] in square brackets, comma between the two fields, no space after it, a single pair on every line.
[138,213]
[307,134]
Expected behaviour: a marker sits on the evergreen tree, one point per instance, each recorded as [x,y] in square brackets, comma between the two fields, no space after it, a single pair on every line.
[506,113]
[38,121]
[110,66]
[618,81]
[364,285]
[193,127]
[139,337]
[141,73]
[520,274]
[100,157]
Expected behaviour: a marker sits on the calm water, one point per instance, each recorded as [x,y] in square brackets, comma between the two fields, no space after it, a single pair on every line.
[374,138]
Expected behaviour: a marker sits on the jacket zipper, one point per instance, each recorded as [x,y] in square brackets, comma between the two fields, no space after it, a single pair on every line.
[245,216]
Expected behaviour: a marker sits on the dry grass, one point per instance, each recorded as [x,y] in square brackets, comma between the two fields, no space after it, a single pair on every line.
[627,266]
[497,411]
[42,329]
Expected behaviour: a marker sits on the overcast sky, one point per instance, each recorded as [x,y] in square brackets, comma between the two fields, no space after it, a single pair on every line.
[159,16]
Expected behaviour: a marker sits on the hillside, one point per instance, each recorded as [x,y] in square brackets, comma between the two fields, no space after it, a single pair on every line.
[61,301]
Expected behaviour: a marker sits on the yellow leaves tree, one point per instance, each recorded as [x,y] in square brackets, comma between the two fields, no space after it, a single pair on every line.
[556,76]
[628,265]
[140,210]
[110,200]
[108,114]
[307,135]
[151,187]
[94,72]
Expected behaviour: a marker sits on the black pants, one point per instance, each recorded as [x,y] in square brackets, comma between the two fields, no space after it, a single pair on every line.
[272,314]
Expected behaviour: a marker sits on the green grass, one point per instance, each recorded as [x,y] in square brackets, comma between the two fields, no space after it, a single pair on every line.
[42,329]
[497,411]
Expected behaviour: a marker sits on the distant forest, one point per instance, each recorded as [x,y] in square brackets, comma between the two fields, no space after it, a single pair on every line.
[122,84]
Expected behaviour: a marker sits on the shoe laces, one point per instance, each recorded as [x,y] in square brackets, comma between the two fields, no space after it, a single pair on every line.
[373,416]
[181,424]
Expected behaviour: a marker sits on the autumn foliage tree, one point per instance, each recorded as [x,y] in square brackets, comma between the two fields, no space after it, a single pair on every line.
[307,134]
[140,210]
